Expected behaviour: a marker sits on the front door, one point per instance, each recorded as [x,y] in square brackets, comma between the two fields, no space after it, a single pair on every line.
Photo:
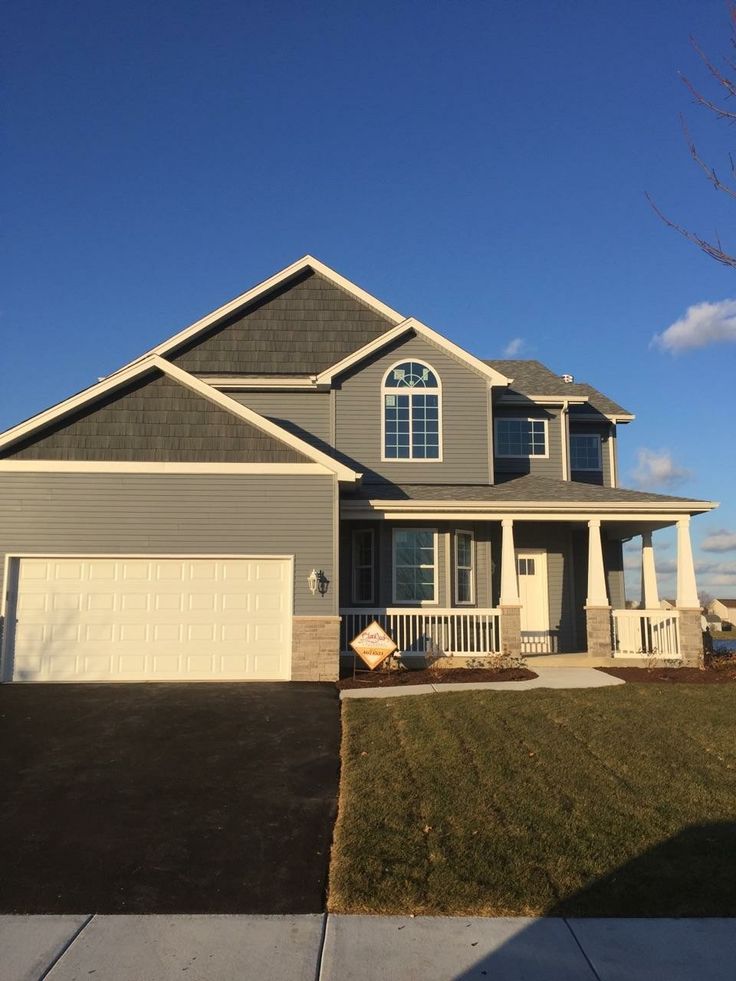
[531,565]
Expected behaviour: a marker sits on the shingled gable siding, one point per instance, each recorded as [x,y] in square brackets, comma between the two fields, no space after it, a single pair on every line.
[303,327]
[550,466]
[154,419]
[465,441]
[47,513]
[307,414]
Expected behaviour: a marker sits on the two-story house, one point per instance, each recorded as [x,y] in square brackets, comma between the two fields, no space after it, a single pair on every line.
[241,500]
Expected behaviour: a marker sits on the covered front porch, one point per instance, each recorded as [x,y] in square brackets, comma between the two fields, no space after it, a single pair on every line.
[544,580]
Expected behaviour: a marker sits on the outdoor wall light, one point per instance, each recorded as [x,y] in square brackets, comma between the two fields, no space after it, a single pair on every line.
[317,582]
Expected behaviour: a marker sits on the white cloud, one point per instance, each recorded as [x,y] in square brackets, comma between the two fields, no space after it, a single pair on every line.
[515,346]
[703,324]
[719,541]
[656,468]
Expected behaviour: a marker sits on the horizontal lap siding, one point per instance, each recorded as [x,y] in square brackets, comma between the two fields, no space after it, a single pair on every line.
[446,561]
[465,441]
[550,466]
[179,514]
[307,414]
[556,540]
[605,431]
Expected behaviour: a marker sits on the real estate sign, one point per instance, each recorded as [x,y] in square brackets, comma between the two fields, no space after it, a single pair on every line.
[373,645]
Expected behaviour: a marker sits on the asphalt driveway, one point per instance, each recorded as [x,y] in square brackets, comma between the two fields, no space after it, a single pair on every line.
[167,798]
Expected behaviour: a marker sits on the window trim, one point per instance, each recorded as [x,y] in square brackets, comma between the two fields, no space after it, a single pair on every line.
[521,456]
[393,391]
[599,468]
[435,568]
[354,567]
[471,567]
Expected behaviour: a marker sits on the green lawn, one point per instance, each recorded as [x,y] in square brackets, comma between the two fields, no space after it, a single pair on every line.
[616,801]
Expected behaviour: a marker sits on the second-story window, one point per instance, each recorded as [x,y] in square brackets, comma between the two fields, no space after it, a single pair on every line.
[521,437]
[411,412]
[585,451]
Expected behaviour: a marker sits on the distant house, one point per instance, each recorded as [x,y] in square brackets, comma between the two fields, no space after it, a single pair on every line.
[668,604]
[725,610]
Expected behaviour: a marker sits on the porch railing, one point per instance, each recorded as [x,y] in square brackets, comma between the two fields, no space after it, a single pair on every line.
[428,631]
[646,633]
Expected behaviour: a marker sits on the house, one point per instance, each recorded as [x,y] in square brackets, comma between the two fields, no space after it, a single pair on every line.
[724,610]
[241,500]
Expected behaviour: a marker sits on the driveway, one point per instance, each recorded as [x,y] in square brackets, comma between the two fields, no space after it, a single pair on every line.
[167,798]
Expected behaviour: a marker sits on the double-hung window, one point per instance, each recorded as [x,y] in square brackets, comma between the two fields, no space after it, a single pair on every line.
[411,412]
[415,565]
[464,571]
[363,566]
[521,437]
[585,451]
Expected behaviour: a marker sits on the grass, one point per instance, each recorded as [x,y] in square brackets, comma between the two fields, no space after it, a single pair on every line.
[617,801]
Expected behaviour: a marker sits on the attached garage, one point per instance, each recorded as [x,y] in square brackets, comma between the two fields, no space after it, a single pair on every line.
[149,618]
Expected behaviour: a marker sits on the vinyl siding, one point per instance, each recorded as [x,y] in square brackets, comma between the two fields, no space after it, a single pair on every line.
[302,327]
[383,573]
[605,431]
[465,442]
[556,539]
[179,514]
[550,466]
[153,419]
[306,414]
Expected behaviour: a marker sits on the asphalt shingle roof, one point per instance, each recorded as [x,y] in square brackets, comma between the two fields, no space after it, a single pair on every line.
[533,378]
[528,487]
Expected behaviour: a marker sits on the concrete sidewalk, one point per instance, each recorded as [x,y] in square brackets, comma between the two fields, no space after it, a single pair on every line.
[547,678]
[364,948]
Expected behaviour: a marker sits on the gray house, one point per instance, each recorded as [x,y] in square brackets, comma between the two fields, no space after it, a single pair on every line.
[241,500]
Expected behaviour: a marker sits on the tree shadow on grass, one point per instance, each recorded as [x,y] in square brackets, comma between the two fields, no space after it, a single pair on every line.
[605,930]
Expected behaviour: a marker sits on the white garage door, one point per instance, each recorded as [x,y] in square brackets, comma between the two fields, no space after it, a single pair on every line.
[147,619]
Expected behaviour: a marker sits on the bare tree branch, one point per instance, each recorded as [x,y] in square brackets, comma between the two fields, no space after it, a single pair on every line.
[707,169]
[715,251]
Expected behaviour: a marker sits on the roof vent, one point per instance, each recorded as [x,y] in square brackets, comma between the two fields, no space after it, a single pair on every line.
[568,379]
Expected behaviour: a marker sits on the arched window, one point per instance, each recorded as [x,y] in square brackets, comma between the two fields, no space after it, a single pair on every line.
[411,412]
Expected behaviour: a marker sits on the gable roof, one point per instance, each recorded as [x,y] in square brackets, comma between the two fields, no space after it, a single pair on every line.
[531,377]
[411,324]
[20,433]
[375,317]
[730,603]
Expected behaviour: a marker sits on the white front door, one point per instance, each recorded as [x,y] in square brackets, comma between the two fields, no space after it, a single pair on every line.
[531,565]
[150,618]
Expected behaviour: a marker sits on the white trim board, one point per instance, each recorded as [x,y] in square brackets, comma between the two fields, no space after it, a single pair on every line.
[153,362]
[306,262]
[411,324]
[144,466]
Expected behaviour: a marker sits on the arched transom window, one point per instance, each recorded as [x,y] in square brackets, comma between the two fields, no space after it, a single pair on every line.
[411,412]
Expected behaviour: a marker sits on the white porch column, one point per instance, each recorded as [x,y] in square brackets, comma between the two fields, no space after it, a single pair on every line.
[597,593]
[649,592]
[687,589]
[509,581]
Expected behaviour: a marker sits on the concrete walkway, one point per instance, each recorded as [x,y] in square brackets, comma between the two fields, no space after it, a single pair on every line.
[364,948]
[547,678]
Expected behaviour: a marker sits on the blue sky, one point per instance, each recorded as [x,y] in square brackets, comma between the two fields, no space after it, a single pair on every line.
[480,165]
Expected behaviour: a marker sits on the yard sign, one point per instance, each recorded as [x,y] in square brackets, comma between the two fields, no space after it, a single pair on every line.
[373,645]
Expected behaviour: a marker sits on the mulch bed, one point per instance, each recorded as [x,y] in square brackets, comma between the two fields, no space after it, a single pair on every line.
[687,676]
[389,679]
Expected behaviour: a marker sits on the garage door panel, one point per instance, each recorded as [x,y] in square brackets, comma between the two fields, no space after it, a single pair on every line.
[129,619]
